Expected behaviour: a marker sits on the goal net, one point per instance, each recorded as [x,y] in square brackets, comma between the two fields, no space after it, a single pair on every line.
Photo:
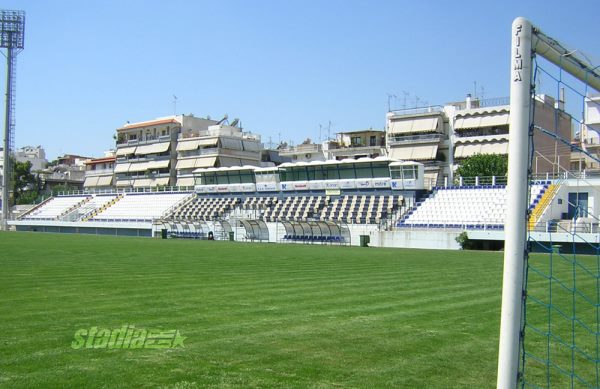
[550,320]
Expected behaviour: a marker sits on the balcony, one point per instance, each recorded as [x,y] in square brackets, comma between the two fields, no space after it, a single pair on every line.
[212,133]
[148,140]
[301,149]
[416,111]
[198,152]
[424,138]
[476,103]
[143,158]
[99,172]
[480,138]
[355,150]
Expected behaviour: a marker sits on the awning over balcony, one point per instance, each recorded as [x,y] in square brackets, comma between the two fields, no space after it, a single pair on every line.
[414,153]
[155,148]
[187,145]
[205,162]
[407,126]
[138,167]
[195,144]
[494,148]
[186,163]
[229,143]
[125,151]
[90,181]
[162,181]
[196,163]
[500,119]
[150,165]
[104,181]
[158,164]
[186,181]
[142,182]
[208,142]
[470,149]
[122,167]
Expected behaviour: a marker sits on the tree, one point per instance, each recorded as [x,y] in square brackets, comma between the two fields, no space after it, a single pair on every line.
[483,165]
[25,184]
[63,188]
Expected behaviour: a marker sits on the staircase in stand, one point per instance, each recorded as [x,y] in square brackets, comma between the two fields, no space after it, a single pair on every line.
[102,208]
[542,205]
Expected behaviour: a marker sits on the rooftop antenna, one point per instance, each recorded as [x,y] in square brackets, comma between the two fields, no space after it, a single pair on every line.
[406,94]
[12,36]
[390,96]
[329,130]
[475,89]
[320,129]
[174,105]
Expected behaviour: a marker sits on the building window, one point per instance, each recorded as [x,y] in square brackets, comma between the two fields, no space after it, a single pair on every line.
[373,141]
[355,141]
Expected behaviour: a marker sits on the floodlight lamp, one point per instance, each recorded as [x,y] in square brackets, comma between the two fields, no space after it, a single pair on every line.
[12,29]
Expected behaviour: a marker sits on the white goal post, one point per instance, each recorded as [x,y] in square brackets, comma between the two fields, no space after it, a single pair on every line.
[527,41]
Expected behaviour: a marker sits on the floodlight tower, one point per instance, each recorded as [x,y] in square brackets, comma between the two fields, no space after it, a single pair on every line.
[12,36]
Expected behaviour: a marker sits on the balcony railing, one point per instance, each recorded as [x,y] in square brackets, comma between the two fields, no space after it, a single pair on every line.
[417,110]
[476,103]
[143,158]
[98,172]
[424,138]
[150,139]
[205,133]
[198,152]
[357,148]
[301,149]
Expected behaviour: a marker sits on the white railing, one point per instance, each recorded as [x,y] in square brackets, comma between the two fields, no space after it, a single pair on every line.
[394,140]
[476,103]
[175,189]
[98,172]
[417,110]
[149,139]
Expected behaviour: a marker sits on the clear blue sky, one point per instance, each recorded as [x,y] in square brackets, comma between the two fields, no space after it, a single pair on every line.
[282,67]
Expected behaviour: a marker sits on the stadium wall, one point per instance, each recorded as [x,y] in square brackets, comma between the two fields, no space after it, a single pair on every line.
[114,229]
[424,239]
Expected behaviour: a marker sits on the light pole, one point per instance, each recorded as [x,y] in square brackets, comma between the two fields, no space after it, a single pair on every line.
[12,34]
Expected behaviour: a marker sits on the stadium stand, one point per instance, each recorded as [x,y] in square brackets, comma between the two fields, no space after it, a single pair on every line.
[254,203]
[94,203]
[295,208]
[471,207]
[55,207]
[362,209]
[204,208]
[140,206]
[349,209]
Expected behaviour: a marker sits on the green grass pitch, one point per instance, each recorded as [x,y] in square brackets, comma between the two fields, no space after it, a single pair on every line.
[253,315]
